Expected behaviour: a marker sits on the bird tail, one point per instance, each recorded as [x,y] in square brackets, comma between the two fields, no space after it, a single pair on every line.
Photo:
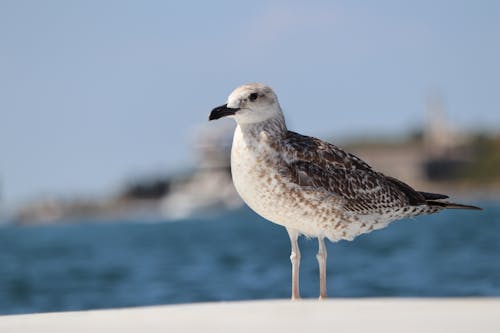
[432,200]
[433,196]
[451,205]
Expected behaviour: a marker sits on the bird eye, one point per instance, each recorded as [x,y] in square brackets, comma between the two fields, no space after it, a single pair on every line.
[253,96]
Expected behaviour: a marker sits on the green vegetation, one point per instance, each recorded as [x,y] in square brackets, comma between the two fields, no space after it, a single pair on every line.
[485,167]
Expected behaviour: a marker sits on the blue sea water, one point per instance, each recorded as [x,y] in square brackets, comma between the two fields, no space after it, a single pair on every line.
[238,256]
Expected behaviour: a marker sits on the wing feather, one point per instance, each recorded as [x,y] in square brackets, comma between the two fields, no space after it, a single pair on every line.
[312,162]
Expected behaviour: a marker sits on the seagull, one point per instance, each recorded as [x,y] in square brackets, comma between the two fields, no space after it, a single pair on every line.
[311,187]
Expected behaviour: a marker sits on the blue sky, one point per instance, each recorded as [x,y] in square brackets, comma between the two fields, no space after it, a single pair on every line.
[93,92]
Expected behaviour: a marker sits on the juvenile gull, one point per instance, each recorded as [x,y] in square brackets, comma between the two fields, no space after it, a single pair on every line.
[309,186]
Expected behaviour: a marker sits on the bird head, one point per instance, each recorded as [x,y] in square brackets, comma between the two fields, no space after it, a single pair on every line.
[250,103]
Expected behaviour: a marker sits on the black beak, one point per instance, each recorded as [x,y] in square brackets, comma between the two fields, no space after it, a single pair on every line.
[221,111]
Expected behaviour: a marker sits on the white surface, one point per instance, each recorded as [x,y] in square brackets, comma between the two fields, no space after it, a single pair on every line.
[335,315]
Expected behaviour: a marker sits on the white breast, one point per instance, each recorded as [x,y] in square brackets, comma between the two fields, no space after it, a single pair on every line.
[247,172]
[256,178]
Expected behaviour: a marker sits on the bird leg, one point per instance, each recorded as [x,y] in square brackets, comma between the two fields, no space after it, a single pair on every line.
[295,259]
[321,256]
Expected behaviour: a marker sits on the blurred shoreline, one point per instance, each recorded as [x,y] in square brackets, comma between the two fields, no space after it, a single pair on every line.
[209,187]
[437,158]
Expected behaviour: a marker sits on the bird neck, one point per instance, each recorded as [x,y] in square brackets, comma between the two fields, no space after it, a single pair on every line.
[272,128]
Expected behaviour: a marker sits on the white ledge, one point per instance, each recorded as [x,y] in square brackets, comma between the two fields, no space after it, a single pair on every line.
[334,315]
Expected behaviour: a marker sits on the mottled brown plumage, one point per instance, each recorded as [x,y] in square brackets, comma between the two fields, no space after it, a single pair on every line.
[312,162]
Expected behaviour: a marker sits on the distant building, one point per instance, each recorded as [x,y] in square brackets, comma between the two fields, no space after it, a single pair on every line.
[446,153]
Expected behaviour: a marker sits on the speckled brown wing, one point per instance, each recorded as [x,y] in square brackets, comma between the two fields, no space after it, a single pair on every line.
[311,162]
